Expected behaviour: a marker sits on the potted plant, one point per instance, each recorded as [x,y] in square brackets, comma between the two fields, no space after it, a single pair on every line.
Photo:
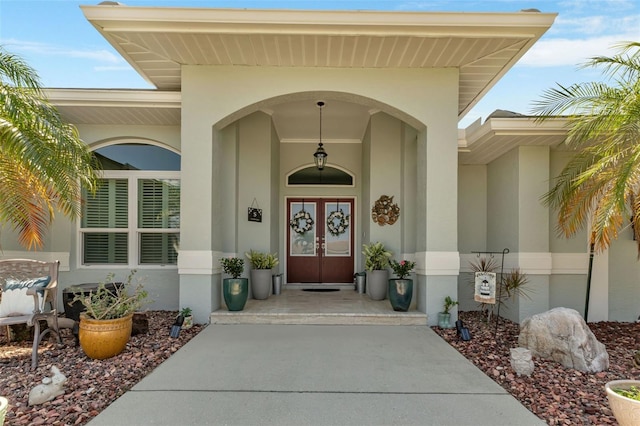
[261,264]
[187,318]
[235,290]
[401,288]
[624,399]
[105,324]
[444,317]
[376,261]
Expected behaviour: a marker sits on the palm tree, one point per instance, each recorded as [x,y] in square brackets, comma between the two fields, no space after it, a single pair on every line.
[600,186]
[43,162]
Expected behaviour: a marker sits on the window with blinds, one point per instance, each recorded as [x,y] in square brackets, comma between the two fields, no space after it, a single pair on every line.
[110,232]
[104,216]
[158,210]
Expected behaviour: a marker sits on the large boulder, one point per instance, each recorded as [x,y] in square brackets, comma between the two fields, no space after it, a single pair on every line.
[563,336]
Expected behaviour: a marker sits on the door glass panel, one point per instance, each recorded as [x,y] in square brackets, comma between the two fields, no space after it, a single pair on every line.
[337,229]
[303,224]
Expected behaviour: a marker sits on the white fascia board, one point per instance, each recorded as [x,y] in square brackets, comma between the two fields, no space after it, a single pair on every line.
[122,18]
[114,98]
[514,126]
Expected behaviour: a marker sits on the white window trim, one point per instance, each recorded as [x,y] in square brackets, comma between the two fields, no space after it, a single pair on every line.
[133,231]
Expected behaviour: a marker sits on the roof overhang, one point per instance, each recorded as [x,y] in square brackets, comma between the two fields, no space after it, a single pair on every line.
[117,107]
[158,41]
[483,143]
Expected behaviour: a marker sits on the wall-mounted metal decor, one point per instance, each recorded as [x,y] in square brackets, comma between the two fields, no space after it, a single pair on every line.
[385,211]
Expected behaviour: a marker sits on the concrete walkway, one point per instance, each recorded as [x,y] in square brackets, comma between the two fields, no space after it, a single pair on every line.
[316,375]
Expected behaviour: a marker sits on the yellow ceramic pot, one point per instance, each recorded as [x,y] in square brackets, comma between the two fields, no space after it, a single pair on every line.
[102,339]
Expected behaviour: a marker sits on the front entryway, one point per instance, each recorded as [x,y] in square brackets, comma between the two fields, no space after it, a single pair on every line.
[320,240]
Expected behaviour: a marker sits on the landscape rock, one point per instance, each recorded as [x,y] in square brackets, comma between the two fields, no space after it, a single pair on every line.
[562,335]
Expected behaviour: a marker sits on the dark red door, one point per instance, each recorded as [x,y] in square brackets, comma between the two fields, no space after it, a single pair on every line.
[320,240]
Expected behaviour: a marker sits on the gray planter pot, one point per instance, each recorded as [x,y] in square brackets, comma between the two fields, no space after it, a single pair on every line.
[261,283]
[377,284]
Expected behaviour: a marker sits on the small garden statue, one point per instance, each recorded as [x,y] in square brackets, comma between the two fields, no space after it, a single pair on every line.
[49,389]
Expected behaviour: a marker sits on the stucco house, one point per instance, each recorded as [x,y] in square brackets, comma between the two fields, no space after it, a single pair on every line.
[234,123]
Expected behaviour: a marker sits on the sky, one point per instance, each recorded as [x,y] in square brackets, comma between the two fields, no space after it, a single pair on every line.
[67,52]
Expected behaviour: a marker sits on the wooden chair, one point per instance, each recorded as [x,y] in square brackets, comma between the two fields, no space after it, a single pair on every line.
[24,269]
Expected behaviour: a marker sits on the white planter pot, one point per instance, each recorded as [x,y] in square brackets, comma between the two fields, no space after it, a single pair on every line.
[626,410]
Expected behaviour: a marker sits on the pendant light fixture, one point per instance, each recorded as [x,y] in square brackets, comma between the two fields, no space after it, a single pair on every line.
[320,156]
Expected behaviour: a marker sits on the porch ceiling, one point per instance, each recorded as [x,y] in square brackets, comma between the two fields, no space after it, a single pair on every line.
[157,41]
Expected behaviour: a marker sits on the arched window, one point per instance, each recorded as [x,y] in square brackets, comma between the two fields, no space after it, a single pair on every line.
[313,176]
[134,217]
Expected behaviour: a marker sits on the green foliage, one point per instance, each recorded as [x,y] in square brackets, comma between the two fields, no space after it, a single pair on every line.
[233,266]
[185,312]
[448,304]
[260,260]
[403,268]
[598,187]
[43,162]
[107,303]
[375,256]
[484,264]
[633,392]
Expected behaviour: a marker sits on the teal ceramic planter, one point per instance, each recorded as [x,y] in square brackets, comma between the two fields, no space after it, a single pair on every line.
[235,292]
[400,294]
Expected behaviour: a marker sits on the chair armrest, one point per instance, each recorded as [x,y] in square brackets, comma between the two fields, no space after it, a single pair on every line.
[36,298]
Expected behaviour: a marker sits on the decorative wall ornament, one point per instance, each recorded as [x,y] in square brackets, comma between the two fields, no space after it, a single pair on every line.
[255,212]
[385,211]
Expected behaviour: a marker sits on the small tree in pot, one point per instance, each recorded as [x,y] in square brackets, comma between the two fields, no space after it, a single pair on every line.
[235,290]
[105,325]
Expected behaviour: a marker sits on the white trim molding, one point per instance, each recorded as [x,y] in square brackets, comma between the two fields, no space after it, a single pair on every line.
[570,263]
[536,263]
[437,262]
[199,262]
[45,256]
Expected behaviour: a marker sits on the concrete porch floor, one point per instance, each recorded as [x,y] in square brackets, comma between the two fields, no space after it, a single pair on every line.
[342,307]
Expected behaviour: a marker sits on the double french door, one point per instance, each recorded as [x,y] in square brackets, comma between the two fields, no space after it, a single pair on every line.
[320,240]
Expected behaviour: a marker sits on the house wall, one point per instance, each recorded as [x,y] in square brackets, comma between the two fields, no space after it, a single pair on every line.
[472,227]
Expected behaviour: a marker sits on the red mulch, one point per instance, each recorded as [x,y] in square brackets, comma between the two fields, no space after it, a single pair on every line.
[557,395]
[91,384]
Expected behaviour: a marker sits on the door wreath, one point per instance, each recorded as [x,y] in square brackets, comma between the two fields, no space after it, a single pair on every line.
[337,222]
[302,215]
